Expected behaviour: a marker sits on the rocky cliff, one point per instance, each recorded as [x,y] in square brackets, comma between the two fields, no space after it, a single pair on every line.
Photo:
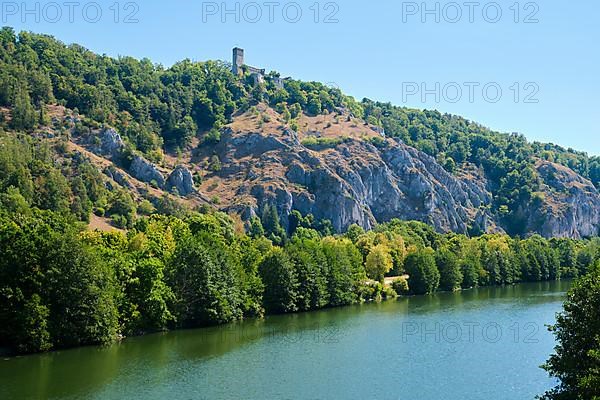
[569,205]
[355,181]
[349,173]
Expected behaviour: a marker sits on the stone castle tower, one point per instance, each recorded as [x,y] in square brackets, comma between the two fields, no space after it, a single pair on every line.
[238,67]
[238,60]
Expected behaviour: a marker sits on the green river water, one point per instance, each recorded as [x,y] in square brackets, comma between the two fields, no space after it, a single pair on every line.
[486,343]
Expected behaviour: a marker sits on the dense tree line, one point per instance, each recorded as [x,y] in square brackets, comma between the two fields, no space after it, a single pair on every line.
[149,104]
[62,285]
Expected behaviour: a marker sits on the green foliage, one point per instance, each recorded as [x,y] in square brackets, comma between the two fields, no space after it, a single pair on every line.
[506,159]
[281,282]
[400,286]
[151,105]
[541,262]
[345,271]
[23,114]
[324,142]
[576,362]
[310,269]
[54,290]
[354,232]
[215,164]
[256,229]
[469,253]
[497,259]
[424,276]
[307,233]
[213,137]
[451,276]
[205,281]
[167,205]
[217,224]
[123,208]
[13,202]
[272,226]
[33,174]
[379,262]
[61,287]
[145,207]
[32,324]
[137,97]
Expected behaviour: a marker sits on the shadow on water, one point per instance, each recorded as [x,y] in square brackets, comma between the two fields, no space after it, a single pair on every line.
[79,373]
[76,372]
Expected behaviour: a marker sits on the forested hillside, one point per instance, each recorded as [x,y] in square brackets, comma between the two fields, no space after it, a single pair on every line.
[156,109]
[218,199]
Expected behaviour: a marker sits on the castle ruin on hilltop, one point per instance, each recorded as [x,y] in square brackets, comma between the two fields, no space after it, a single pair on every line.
[258,75]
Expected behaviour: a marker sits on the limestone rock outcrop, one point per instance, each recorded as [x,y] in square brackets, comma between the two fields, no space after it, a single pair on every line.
[181,180]
[356,182]
[146,171]
[111,143]
[569,205]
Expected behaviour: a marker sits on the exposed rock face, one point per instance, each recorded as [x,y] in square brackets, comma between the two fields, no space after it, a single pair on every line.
[145,171]
[358,182]
[111,143]
[182,180]
[118,177]
[353,183]
[570,207]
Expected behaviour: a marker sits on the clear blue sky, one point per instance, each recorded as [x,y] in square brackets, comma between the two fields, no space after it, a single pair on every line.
[378,49]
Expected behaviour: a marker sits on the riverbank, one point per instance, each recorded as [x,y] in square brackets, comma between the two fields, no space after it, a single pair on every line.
[322,354]
[378,299]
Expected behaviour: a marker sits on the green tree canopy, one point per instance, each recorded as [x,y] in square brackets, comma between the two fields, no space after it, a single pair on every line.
[424,277]
[576,362]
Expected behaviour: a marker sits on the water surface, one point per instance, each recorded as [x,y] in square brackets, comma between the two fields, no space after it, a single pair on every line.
[480,344]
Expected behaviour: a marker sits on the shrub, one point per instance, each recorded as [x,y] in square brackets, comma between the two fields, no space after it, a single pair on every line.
[324,142]
[212,137]
[400,285]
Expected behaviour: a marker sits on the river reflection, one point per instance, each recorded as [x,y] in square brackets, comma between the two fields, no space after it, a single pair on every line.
[485,343]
